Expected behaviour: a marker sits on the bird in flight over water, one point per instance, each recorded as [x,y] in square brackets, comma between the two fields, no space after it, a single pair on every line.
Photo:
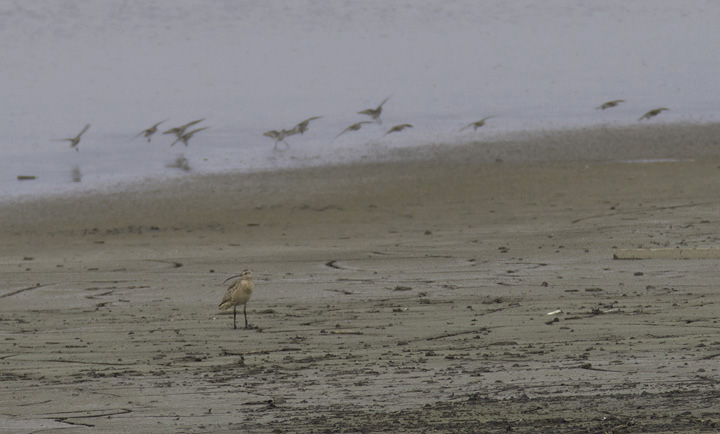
[375,113]
[652,113]
[397,128]
[477,124]
[609,104]
[74,141]
[187,136]
[353,127]
[279,136]
[303,126]
[150,131]
[179,131]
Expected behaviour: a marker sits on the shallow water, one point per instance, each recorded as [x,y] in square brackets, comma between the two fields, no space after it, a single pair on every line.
[249,67]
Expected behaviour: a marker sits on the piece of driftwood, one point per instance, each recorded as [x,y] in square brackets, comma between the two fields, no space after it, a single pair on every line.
[667,253]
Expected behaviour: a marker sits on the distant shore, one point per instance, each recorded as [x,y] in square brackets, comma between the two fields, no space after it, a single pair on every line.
[215,193]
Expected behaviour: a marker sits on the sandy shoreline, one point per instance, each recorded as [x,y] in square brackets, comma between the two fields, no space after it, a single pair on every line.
[390,297]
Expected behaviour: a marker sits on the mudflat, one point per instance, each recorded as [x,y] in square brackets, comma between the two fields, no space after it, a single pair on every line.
[465,290]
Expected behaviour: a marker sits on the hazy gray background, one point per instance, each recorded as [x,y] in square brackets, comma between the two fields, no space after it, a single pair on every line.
[252,66]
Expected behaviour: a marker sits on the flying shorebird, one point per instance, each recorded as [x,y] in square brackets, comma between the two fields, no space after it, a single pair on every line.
[279,136]
[303,126]
[75,140]
[609,104]
[375,113]
[179,131]
[239,293]
[397,128]
[187,136]
[652,113]
[150,131]
[353,127]
[477,124]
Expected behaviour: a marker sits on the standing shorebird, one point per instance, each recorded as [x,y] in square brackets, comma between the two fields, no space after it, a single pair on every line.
[375,113]
[652,113]
[150,131]
[353,127]
[609,104]
[239,293]
[187,136]
[179,131]
[397,128]
[303,126]
[76,140]
[477,124]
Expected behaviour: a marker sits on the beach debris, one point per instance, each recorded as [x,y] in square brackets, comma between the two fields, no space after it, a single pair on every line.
[652,113]
[303,126]
[179,131]
[238,293]
[150,131]
[609,104]
[26,177]
[375,113]
[398,128]
[341,332]
[74,141]
[402,288]
[668,253]
[353,127]
[554,312]
[180,162]
[599,311]
[187,136]
[477,124]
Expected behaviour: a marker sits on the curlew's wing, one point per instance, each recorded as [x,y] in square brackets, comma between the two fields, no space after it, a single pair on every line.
[226,298]
[467,126]
[189,124]
[307,121]
[345,131]
[384,101]
[84,129]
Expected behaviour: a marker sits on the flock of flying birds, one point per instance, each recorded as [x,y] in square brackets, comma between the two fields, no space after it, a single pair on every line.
[182,135]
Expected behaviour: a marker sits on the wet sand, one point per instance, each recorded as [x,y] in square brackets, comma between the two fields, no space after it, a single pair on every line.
[403,296]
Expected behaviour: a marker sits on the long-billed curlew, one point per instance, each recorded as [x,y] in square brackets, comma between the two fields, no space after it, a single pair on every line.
[150,131]
[477,124]
[652,113]
[375,113]
[609,104]
[238,293]
[279,136]
[75,140]
[187,136]
[397,128]
[179,131]
[353,127]
[303,126]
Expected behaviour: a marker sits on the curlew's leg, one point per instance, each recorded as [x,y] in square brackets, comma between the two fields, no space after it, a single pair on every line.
[234,316]
[245,312]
